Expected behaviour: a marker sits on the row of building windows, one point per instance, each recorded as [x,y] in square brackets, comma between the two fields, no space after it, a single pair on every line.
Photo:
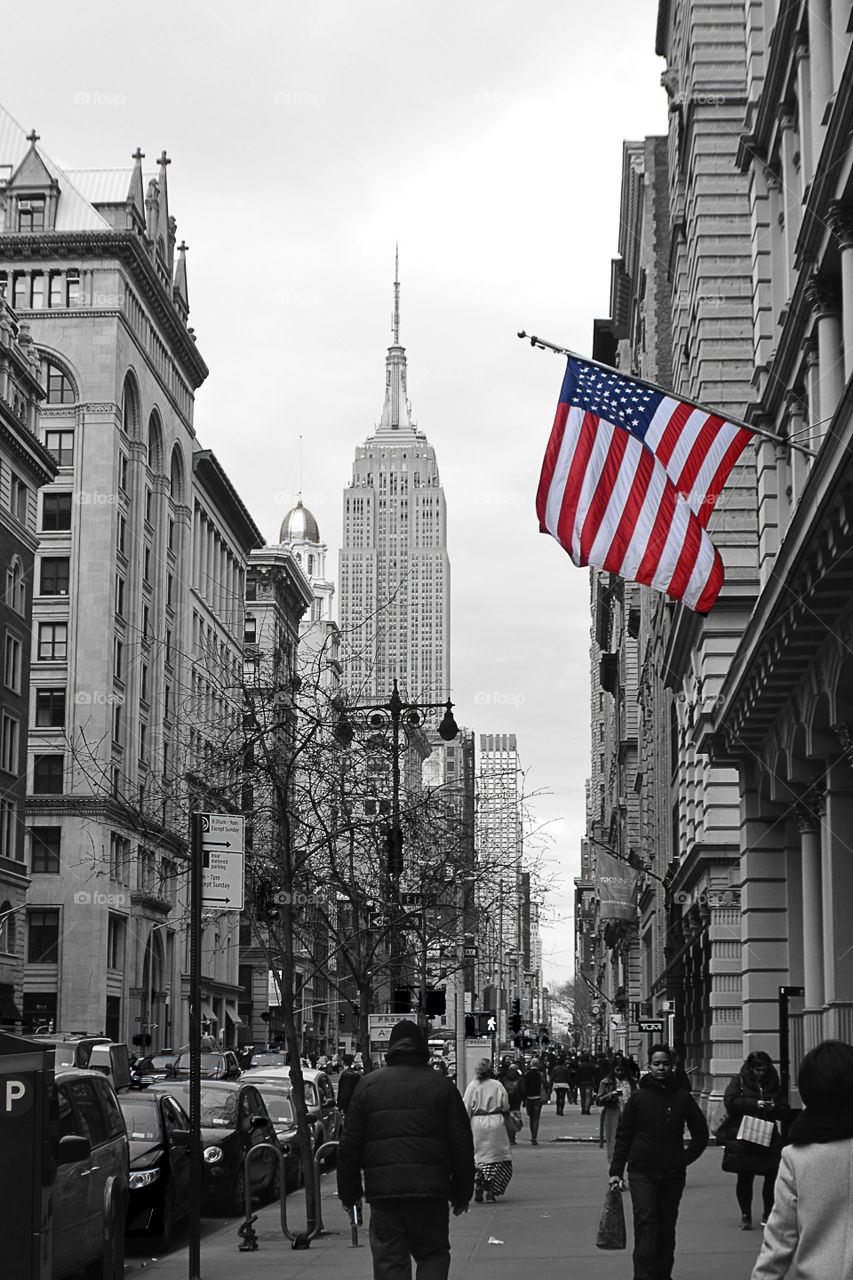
[36,290]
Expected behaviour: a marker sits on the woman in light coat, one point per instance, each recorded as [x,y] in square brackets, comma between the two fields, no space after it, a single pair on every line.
[809,1235]
[487,1103]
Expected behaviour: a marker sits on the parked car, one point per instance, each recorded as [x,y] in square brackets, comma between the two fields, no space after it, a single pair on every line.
[319,1098]
[280,1107]
[274,1058]
[90,1193]
[233,1119]
[154,1067]
[158,1130]
[214,1066]
[92,1053]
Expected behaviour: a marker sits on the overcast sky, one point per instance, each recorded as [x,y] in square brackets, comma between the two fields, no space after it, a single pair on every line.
[306,140]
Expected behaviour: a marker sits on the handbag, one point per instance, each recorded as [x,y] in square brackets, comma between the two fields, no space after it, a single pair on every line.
[754,1129]
[611,1226]
[514,1121]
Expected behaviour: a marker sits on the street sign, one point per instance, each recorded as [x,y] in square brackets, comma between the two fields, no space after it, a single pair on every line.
[222,860]
[650,1026]
[380,1027]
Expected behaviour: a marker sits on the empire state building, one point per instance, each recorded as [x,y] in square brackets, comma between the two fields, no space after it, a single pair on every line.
[394,569]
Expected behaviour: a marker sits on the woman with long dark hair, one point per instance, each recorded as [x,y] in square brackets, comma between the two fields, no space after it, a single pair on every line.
[756,1091]
[810,1229]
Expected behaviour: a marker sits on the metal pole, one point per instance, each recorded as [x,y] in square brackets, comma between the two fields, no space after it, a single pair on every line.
[499,996]
[784,1039]
[194,1270]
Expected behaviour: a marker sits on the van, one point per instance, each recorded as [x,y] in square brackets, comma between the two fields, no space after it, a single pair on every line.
[90,1053]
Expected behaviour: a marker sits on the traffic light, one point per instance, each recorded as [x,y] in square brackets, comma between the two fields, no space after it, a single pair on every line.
[342,1017]
[436,1004]
[515,1016]
[402,1000]
[394,846]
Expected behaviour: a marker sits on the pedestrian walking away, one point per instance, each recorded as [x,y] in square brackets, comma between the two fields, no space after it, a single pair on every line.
[533,1098]
[487,1103]
[809,1234]
[510,1077]
[408,1131]
[756,1091]
[585,1082]
[613,1094]
[650,1140]
[347,1081]
[560,1078]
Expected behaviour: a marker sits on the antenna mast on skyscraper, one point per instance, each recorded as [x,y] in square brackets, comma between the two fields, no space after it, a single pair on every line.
[395,322]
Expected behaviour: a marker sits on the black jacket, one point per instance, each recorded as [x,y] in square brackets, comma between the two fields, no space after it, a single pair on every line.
[650,1137]
[349,1078]
[744,1092]
[408,1129]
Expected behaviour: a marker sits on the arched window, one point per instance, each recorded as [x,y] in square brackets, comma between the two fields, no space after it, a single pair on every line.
[16,587]
[176,478]
[60,388]
[7,928]
[130,408]
[155,444]
[310,564]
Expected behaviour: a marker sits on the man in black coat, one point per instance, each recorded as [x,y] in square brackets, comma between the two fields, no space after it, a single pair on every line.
[347,1081]
[650,1139]
[408,1129]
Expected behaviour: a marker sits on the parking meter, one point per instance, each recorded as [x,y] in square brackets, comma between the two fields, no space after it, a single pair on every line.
[27,1159]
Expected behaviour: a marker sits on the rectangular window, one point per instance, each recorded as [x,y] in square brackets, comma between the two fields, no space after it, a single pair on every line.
[171,542]
[168,645]
[116,934]
[53,641]
[31,214]
[146,622]
[119,858]
[47,775]
[56,512]
[37,290]
[167,701]
[117,724]
[72,288]
[9,828]
[143,682]
[60,444]
[12,663]
[45,847]
[50,708]
[120,597]
[143,741]
[146,565]
[10,740]
[170,590]
[54,575]
[18,498]
[56,286]
[149,498]
[121,531]
[43,936]
[19,290]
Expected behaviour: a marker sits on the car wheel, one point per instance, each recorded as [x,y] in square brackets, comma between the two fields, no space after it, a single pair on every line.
[112,1266]
[163,1238]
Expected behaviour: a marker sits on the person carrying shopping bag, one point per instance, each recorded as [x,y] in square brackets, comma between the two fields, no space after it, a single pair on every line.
[755,1091]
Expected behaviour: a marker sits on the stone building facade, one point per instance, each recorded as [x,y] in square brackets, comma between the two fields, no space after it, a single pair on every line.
[135,596]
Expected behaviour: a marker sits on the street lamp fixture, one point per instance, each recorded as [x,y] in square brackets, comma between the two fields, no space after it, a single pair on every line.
[397,712]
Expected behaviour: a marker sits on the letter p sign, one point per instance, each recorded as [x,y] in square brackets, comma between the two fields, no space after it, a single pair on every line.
[17,1097]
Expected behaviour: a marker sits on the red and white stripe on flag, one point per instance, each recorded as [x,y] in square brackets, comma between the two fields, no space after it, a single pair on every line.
[638,506]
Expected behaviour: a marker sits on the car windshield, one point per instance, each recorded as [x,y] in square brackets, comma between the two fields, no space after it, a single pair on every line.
[141,1119]
[218,1109]
[160,1062]
[209,1062]
[269,1060]
[311,1099]
[278,1106]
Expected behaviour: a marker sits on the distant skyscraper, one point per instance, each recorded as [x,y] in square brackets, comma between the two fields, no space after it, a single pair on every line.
[395,571]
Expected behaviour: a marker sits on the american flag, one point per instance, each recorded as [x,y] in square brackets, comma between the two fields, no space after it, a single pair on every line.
[630,479]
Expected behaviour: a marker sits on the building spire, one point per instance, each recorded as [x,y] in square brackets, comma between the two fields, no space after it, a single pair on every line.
[395,323]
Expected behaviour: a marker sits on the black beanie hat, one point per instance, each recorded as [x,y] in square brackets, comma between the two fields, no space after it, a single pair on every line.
[408,1030]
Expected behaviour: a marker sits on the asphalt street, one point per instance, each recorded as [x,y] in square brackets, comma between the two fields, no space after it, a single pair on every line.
[544,1225]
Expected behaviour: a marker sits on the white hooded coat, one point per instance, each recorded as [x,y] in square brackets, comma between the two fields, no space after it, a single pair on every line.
[486,1102]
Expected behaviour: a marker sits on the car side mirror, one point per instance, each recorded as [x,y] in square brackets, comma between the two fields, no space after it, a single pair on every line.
[257,1122]
[72,1148]
[180,1137]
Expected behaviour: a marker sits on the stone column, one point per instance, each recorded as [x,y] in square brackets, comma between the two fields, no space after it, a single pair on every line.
[820,71]
[762,952]
[801,56]
[840,41]
[797,460]
[791,193]
[838,890]
[825,304]
[809,822]
[841,225]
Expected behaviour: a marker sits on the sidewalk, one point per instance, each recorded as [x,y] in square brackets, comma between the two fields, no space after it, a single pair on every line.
[546,1221]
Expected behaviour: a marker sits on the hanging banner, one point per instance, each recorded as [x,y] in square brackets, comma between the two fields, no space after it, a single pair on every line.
[615,882]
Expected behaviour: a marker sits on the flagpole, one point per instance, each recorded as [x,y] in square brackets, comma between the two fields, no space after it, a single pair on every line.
[653,386]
